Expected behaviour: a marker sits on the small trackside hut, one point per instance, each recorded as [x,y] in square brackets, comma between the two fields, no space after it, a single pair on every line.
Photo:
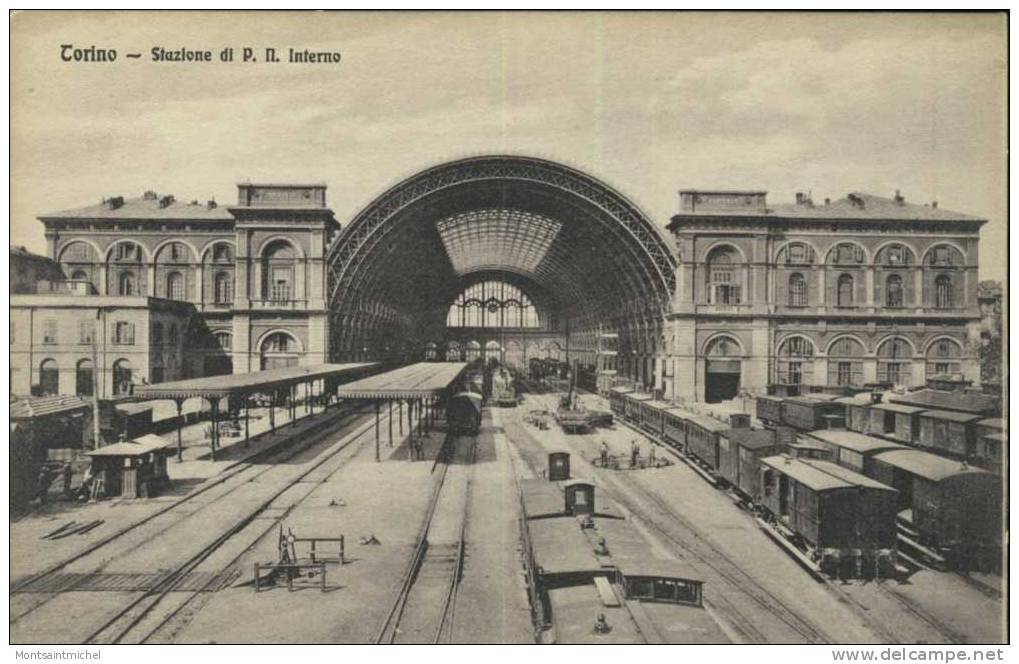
[131,469]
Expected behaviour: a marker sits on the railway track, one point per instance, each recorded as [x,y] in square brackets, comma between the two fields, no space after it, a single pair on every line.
[424,608]
[139,607]
[684,538]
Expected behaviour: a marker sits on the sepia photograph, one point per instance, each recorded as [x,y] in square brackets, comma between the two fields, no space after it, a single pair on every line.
[509,328]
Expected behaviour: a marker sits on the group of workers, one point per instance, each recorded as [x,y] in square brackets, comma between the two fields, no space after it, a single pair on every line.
[652,460]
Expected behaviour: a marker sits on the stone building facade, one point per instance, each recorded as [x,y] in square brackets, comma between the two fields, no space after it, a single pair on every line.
[253,271]
[857,291]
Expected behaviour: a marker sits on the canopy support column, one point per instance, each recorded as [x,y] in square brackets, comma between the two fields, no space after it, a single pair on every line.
[390,422]
[272,410]
[214,403]
[180,426]
[378,408]
[247,419]
[399,417]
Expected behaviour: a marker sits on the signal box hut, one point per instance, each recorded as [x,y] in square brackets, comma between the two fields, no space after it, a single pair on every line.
[132,469]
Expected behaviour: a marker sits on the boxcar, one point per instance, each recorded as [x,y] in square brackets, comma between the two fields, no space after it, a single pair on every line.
[895,421]
[947,432]
[857,411]
[847,519]
[990,444]
[769,409]
[740,452]
[966,401]
[652,416]
[953,507]
[702,438]
[852,450]
[674,427]
[807,413]
[632,402]
[617,399]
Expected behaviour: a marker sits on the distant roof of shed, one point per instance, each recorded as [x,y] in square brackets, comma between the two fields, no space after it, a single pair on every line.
[137,447]
[950,415]
[929,466]
[409,382]
[852,440]
[222,386]
[25,408]
[751,438]
[807,475]
[967,402]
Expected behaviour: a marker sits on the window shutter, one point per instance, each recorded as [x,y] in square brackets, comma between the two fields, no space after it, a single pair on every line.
[881,288]
[737,292]
[807,367]
[858,254]
[860,294]
[833,372]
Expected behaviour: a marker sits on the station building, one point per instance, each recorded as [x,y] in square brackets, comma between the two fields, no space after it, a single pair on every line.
[514,258]
[856,291]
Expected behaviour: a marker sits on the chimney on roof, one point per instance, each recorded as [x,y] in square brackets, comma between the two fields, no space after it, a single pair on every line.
[800,198]
[166,201]
[827,201]
[211,204]
[899,200]
[150,195]
[934,204]
[114,202]
[856,200]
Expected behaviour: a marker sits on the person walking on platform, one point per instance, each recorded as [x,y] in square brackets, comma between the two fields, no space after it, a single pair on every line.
[651,457]
[604,455]
[634,454]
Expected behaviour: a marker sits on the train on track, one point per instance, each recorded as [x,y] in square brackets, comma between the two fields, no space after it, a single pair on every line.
[463,413]
[592,578]
[959,425]
[845,497]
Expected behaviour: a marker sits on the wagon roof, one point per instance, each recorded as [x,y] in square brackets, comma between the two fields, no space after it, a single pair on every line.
[819,396]
[629,551]
[137,447]
[951,416]
[541,498]
[994,422]
[848,475]
[805,474]
[619,389]
[660,405]
[929,466]
[852,440]
[709,423]
[898,408]
[751,438]
[560,547]
[949,400]
[859,399]
[641,396]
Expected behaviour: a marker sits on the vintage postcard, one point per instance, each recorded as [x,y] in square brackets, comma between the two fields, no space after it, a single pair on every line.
[509,328]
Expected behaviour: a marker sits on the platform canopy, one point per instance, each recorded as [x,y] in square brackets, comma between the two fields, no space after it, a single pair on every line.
[218,387]
[415,381]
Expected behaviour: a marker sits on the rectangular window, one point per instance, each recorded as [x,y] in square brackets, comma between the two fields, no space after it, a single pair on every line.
[795,376]
[845,373]
[727,294]
[123,333]
[85,328]
[49,331]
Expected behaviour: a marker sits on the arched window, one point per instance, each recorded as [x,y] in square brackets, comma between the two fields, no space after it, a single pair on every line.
[795,361]
[493,350]
[473,351]
[893,291]
[492,304]
[79,275]
[797,290]
[845,362]
[49,378]
[454,352]
[846,253]
[724,276]
[224,289]
[944,298]
[894,359]
[175,286]
[222,253]
[943,357]
[278,261]
[126,284]
[845,291]
[84,379]
[157,334]
[553,350]
[78,252]
[223,341]
[895,254]
[122,377]
[279,350]
[797,253]
[127,252]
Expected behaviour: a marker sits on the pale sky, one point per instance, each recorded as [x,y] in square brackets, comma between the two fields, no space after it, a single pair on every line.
[650,103]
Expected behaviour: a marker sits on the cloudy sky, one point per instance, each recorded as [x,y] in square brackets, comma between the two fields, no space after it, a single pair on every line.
[650,103]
